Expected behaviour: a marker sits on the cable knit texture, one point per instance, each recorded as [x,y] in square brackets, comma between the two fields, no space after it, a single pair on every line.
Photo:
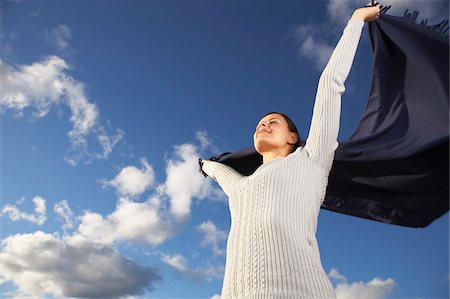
[272,250]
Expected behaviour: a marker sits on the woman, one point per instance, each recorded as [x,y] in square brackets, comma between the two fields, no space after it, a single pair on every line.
[272,251]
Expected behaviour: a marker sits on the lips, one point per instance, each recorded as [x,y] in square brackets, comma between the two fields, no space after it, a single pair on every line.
[263,131]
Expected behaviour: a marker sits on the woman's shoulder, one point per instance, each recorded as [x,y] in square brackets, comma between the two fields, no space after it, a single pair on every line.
[299,151]
[301,155]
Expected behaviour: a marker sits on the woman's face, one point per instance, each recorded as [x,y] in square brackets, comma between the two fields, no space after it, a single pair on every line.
[272,133]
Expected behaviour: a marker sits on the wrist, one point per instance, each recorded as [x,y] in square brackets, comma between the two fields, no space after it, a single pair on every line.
[357,16]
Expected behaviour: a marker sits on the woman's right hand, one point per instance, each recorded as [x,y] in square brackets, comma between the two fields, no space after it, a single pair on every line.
[367,14]
[200,162]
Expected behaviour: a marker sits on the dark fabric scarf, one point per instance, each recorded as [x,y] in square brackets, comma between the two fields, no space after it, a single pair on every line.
[395,166]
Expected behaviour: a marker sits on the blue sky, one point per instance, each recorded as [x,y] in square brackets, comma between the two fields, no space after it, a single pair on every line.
[106,107]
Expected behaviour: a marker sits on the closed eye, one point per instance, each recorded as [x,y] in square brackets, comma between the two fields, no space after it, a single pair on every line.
[272,121]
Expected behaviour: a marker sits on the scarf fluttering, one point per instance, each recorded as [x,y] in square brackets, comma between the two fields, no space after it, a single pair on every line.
[395,166]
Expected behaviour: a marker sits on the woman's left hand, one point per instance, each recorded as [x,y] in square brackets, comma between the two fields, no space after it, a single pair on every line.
[367,14]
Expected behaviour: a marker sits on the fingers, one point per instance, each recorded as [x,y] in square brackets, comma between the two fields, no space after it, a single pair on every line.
[373,3]
[368,13]
[375,7]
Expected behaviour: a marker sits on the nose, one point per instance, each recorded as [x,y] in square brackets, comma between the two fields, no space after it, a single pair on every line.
[265,124]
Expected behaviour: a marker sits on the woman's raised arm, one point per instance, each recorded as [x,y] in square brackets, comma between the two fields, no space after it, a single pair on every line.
[322,138]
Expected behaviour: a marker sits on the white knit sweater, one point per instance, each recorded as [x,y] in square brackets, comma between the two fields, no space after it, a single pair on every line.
[272,250]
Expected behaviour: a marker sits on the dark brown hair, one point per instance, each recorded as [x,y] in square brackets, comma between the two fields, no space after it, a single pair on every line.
[292,128]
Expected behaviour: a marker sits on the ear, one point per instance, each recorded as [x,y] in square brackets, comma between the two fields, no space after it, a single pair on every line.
[293,138]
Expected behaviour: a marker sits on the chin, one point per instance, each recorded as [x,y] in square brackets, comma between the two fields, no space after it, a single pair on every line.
[263,146]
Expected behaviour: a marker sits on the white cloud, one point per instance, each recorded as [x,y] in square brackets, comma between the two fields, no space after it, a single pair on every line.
[130,222]
[60,37]
[154,221]
[199,274]
[42,85]
[108,142]
[39,85]
[64,213]
[212,236]
[339,12]
[150,222]
[216,296]
[376,288]
[202,137]
[20,200]
[312,45]
[183,181]
[334,274]
[15,214]
[84,113]
[176,261]
[132,180]
[41,264]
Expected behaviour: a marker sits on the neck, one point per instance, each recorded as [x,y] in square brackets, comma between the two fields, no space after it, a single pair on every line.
[267,156]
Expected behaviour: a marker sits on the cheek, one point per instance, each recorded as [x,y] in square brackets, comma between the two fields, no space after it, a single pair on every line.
[281,131]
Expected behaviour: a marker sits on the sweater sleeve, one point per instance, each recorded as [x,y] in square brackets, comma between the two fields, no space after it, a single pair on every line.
[322,138]
[225,176]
